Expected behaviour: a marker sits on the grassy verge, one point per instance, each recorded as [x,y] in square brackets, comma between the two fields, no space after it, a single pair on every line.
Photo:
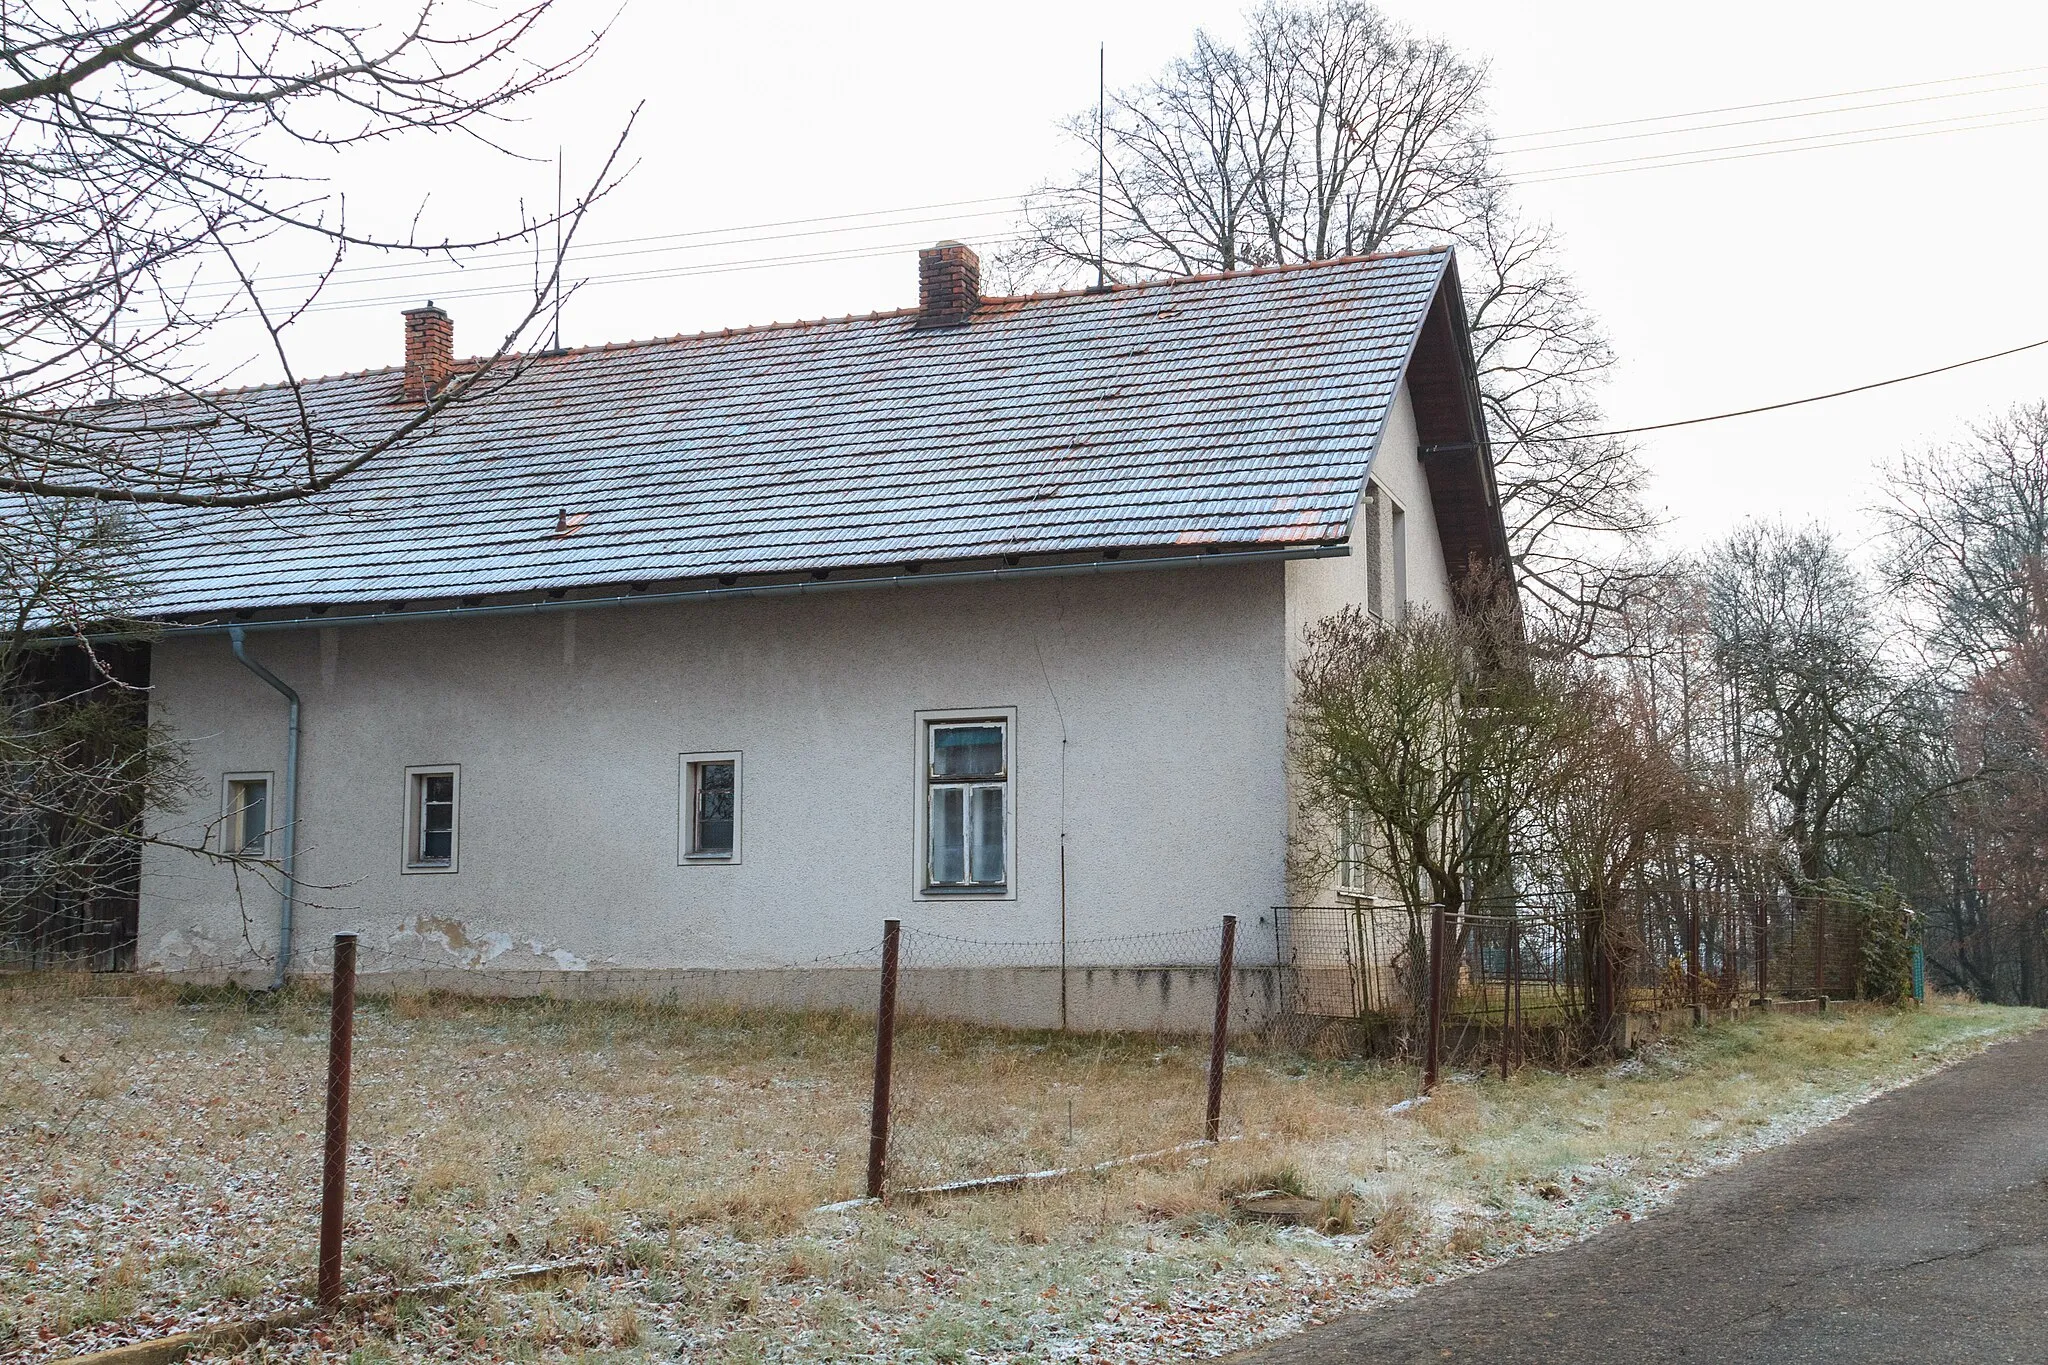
[158,1166]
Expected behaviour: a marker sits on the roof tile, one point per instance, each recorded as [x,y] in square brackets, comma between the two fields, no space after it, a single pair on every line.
[1245,411]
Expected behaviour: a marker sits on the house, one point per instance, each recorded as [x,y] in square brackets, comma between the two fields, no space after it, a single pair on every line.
[677,661]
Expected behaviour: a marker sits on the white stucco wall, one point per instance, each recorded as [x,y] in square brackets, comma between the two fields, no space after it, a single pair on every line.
[1317,588]
[1169,688]
[1320,588]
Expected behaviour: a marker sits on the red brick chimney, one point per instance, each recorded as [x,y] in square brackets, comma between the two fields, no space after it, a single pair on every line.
[429,351]
[948,285]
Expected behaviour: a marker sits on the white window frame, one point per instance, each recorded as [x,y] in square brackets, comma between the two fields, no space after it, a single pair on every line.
[1353,871]
[409,824]
[686,810]
[922,890]
[1374,503]
[1397,560]
[229,823]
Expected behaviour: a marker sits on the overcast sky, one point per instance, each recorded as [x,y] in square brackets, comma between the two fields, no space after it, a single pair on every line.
[1726,284]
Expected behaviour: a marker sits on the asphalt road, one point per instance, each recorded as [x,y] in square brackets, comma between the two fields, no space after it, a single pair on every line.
[1915,1229]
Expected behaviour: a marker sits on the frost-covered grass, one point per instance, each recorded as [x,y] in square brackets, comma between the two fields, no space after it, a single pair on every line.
[159,1165]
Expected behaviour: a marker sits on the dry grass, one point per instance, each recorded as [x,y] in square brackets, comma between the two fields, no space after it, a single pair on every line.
[159,1160]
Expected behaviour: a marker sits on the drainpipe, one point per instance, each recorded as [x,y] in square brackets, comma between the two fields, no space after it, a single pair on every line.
[288,830]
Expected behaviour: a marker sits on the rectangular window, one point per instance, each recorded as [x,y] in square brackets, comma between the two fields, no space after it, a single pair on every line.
[433,803]
[1375,569]
[967,806]
[711,808]
[1351,866]
[1397,536]
[245,815]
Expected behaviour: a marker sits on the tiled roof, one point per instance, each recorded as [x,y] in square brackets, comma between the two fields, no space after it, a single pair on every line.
[1237,410]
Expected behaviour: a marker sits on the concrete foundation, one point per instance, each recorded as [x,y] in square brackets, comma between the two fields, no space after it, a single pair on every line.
[1096,999]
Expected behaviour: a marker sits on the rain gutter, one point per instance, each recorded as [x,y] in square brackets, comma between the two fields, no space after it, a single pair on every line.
[802,587]
[288,830]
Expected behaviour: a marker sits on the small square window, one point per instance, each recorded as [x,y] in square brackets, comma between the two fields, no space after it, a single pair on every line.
[967,810]
[711,808]
[245,815]
[433,802]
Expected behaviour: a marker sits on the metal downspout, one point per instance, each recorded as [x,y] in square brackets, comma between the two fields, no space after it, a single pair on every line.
[288,830]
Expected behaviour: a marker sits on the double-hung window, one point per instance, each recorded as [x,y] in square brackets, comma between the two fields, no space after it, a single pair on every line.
[967,811]
[245,822]
[433,806]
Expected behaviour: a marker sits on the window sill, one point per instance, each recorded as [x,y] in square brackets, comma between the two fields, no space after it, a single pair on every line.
[442,868]
[712,858]
[967,892]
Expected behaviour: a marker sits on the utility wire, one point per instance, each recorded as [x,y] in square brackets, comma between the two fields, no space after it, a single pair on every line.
[389,273]
[433,276]
[426,272]
[641,276]
[1778,118]
[1801,402]
[518,256]
[1777,104]
[1844,137]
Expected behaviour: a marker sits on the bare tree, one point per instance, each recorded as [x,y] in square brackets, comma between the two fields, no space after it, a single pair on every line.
[1330,131]
[1843,732]
[140,186]
[1439,735]
[1963,522]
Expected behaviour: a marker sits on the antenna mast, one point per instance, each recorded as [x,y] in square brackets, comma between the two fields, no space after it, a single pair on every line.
[556,344]
[1101,154]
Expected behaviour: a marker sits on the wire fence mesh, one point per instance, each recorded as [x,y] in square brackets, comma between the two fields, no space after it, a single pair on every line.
[969,1104]
[969,1100]
[1551,972]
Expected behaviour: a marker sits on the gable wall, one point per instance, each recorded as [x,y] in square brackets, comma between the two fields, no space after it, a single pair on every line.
[1317,589]
[1169,685]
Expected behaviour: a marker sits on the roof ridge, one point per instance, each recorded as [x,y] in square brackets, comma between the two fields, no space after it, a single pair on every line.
[878,315]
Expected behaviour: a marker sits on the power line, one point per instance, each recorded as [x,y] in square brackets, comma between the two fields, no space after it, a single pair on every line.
[432,275]
[498,262]
[425,272]
[1801,402]
[1778,118]
[1777,104]
[645,276]
[1781,147]
[1650,161]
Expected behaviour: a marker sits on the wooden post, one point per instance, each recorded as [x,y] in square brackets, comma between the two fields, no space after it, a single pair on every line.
[334,1169]
[1432,1053]
[885,1052]
[1219,1035]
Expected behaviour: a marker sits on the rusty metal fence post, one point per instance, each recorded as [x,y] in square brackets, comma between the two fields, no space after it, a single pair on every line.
[1219,1036]
[1433,1048]
[885,1052]
[334,1169]
[1511,997]
[1763,951]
